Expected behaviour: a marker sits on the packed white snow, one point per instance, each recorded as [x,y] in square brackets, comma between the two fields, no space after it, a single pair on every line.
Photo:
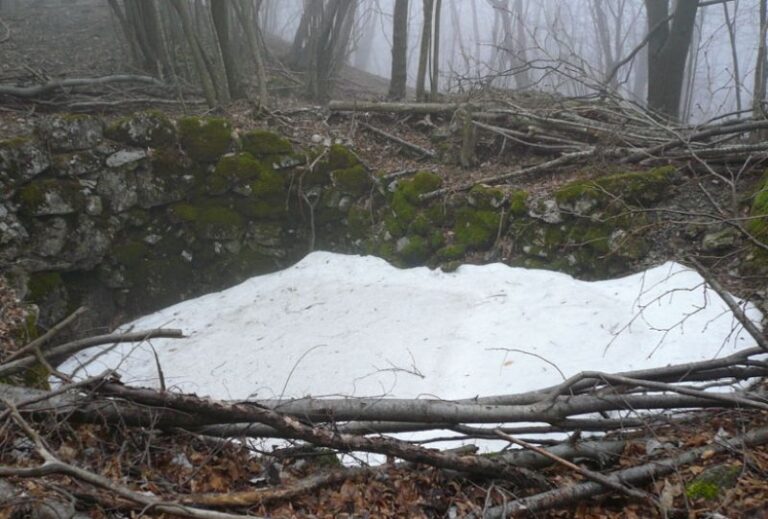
[357,326]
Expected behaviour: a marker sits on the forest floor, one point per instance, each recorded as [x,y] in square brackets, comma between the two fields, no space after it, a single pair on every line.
[72,41]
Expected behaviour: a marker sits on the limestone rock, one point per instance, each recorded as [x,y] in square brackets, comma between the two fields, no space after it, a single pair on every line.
[78,164]
[49,237]
[21,160]
[70,132]
[119,189]
[146,129]
[720,240]
[50,197]
[129,158]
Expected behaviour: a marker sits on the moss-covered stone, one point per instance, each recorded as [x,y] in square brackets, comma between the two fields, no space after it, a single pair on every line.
[340,157]
[21,159]
[413,250]
[354,180]
[405,201]
[518,203]
[151,128]
[711,483]
[50,197]
[451,252]
[476,228]
[70,132]
[234,169]
[585,197]
[263,143]
[42,284]
[205,139]
[358,222]
[483,196]
[183,212]
[220,223]
[130,253]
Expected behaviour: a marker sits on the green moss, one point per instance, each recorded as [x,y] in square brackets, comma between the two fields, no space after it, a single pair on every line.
[358,222]
[205,139]
[42,284]
[354,180]
[34,197]
[436,239]
[415,251]
[711,483]
[395,226]
[423,182]
[451,252]
[130,253]
[421,225]
[758,225]
[636,188]
[263,143]
[238,167]
[339,157]
[405,201]
[219,223]
[184,212]
[168,162]
[518,203]
[485,197]
[150,128]
[476,229]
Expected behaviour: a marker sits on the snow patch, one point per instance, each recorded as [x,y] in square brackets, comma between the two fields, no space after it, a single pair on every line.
[336,325]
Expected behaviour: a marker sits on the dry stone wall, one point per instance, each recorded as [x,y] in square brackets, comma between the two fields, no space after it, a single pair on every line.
[145,211]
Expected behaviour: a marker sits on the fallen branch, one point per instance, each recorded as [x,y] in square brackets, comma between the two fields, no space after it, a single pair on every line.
[37,90]
[630,476]
[66,350]
[589,474]
[53,465]
[394,138]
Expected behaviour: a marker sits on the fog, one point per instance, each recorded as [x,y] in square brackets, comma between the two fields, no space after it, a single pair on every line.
[563,43]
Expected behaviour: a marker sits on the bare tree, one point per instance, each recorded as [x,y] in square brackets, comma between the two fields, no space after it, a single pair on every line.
[758,97]
[426,43]
[399,74]
[220,16]
[670,39]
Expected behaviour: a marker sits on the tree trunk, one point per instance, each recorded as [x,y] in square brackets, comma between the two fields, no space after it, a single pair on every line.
[252,35]
[426,41]
[667,52]
[399,74]
[209,90]
[434,79]
[761,67]
[730,23]
[220,16]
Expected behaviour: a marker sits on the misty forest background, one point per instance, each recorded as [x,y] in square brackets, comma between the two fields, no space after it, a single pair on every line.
[689,59]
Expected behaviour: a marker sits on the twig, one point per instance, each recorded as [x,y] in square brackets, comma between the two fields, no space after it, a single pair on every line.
[738,312]
[46,336]
[53,465]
